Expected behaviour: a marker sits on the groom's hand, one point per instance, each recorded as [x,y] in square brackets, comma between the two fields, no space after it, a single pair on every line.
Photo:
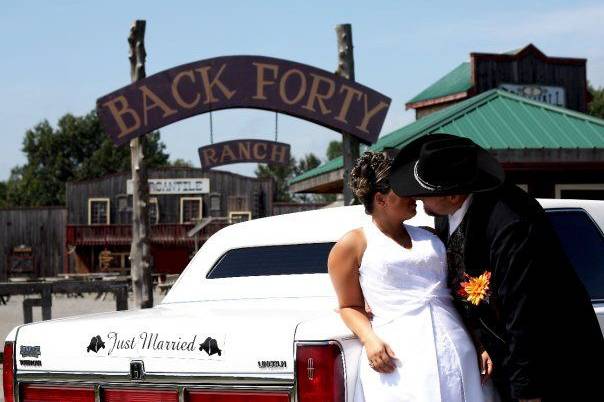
[486,367]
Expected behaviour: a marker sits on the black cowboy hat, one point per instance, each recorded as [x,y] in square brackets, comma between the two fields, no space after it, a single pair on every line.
[444,164]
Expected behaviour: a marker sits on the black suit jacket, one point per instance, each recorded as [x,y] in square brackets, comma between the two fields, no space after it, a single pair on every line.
[539,325]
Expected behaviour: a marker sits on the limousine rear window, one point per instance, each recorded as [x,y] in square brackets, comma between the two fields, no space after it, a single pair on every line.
[290,259]
[583,243]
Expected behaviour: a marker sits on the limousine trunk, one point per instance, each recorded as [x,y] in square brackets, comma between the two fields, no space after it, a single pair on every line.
[240,350]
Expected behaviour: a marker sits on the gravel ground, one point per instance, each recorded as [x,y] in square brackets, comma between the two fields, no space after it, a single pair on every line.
[11,314]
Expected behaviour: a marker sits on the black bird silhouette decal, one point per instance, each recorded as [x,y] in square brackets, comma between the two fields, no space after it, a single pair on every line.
[96,343]
[210,346]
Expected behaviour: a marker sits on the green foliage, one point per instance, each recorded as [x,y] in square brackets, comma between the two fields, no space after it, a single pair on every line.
[596,106]
[334,149]
[3,194]
[77,149]
[181,163]
[310,161]
[282,174]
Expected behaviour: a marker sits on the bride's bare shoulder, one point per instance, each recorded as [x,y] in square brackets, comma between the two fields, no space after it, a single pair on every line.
[355,237]
[353,243]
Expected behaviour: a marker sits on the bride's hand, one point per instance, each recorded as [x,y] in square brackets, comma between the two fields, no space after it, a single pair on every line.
[486,367]
[380,355]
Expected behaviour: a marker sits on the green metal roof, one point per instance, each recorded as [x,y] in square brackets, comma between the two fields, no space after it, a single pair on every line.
[456,81]
[328,166]
[495,120]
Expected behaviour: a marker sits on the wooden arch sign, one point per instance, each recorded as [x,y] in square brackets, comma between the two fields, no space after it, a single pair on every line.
[243,82]
[244,151]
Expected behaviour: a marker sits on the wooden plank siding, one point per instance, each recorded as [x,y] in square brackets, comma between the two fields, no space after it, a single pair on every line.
[258,194]
[490,71]
[42,229]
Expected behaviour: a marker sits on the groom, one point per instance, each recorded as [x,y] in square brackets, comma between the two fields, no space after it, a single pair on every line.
[535,319]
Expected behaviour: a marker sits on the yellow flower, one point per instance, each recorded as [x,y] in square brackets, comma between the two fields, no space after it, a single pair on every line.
[476,289]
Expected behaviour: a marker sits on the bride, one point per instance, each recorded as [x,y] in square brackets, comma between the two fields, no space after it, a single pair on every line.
[417,348]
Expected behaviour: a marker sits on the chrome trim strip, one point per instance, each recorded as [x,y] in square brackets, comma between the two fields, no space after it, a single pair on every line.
[97,393]
[181,393]
[100,378]
[167,385]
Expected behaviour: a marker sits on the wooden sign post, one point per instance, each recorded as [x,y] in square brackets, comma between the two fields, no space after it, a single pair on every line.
[350,144]
[140,253]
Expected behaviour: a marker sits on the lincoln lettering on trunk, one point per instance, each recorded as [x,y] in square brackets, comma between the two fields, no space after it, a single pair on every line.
[243,82]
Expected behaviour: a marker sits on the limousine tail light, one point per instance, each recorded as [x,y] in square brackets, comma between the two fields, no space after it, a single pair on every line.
[233,396]
[139,395]
[48,393]
[8,372]
[320,372]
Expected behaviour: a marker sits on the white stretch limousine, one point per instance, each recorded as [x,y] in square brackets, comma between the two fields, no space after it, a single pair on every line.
[252,319]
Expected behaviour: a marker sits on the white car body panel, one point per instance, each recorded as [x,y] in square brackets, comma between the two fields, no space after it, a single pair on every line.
[252,318]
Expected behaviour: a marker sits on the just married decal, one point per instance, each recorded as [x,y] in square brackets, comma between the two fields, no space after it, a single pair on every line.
[193,345]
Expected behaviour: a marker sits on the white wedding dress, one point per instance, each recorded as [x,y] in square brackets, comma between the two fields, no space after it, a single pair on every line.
[413,313]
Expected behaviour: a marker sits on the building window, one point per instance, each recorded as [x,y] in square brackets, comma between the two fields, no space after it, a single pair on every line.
[238,203]
[124,208]
[98,211]
[239,216]
[114,261]
[215,204]
[190,209]
[594,191]
[153,211]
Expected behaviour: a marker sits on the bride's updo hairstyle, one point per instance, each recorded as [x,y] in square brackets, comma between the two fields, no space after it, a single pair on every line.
[369,176]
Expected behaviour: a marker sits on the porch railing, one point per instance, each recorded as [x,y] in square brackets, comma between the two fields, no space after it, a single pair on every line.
[122,234]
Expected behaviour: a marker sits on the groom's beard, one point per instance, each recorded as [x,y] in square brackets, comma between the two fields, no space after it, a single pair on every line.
[431,212]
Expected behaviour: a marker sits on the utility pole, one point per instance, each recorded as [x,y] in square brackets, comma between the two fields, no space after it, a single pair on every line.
[350,144]
[140,253]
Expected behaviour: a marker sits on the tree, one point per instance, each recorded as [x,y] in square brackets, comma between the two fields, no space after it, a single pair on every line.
[3,194]
[77,149]
[596,106]
[334,150]
[281,175]
[310,161]
[181,163]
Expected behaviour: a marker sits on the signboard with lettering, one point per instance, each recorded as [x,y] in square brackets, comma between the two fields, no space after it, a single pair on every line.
[238,151]
[175,186]
[243,82]
[552,95]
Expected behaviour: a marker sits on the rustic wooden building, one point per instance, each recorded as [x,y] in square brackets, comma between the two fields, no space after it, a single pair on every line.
[559,81]
[549,151]
[526,108]
[32,241]
[99,217]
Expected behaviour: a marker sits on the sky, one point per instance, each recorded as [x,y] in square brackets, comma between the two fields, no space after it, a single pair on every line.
[58,57]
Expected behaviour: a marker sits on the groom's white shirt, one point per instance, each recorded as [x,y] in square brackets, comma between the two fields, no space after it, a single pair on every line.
[456,217]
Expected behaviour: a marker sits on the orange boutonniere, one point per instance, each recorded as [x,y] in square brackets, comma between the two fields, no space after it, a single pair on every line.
[475,289]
